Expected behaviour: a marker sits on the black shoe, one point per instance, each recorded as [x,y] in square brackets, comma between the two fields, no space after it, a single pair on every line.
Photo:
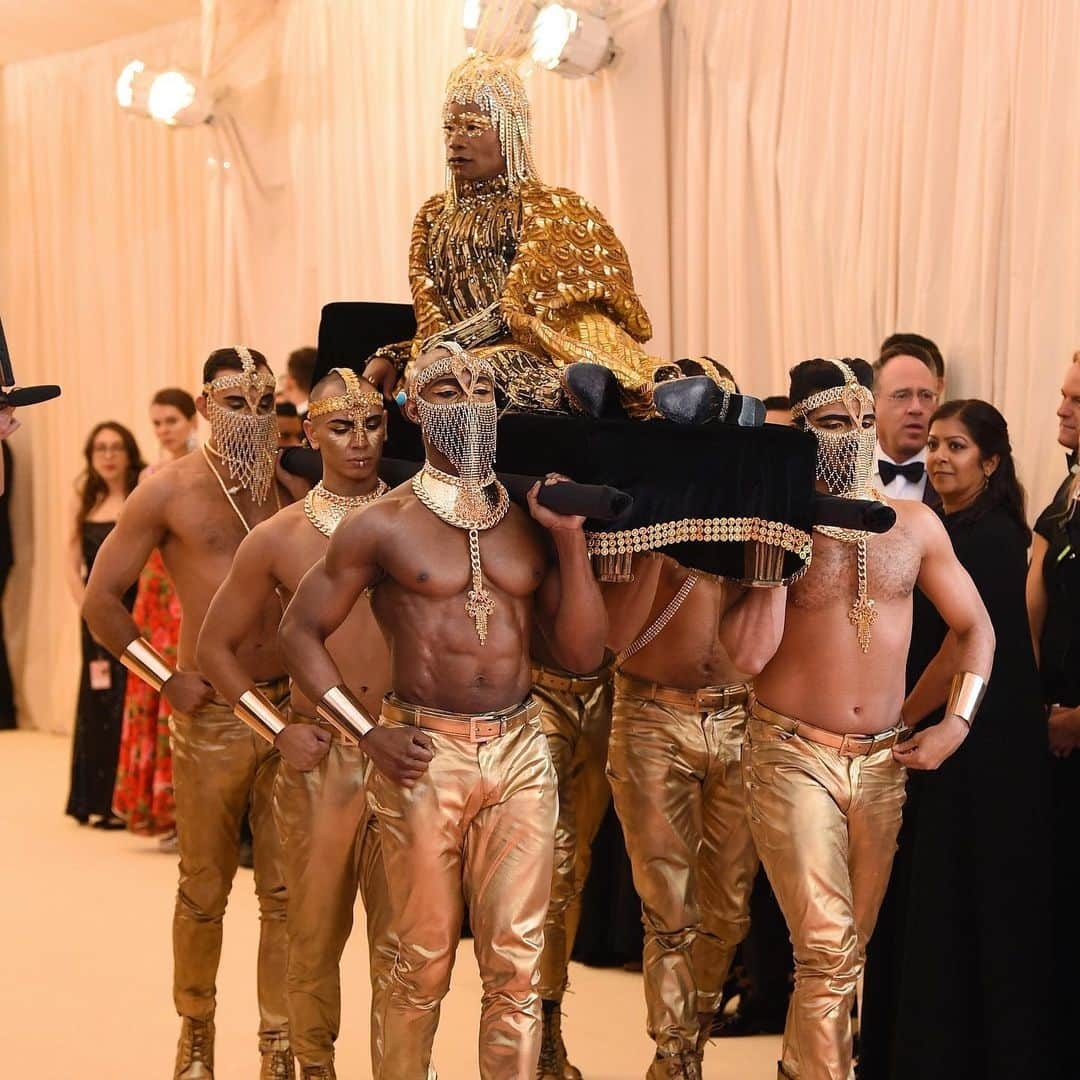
[749,1019]
[110,824]
[697,400]
[593,389]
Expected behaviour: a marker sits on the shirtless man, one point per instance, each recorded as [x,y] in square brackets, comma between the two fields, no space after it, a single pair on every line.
[688,645]
[825,756]
[330,841]
[457,612]
[196,510]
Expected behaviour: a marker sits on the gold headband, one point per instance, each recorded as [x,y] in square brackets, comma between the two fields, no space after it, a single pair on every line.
[354,401]
[457,364]
[854,396]
[249,379]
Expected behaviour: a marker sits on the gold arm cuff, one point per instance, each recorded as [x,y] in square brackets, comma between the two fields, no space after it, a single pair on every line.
[965,696]
[345,714]
[256,710]
[145,661]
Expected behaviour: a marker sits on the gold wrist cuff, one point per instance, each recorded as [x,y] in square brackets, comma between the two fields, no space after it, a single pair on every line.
[256,710]
[345,714]
[965,696]
[145,661]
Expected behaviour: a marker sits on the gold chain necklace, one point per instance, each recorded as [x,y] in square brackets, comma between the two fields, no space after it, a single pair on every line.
[863,610]
[326,510]
[441,494]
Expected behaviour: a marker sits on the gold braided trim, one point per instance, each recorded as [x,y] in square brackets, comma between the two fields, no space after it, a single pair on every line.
[702,530]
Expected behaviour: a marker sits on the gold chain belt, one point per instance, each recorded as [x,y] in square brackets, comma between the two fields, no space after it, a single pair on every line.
[707,700]
[474,727]
[849,745]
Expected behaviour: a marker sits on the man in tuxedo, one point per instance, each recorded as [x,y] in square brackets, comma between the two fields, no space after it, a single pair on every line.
[909,377]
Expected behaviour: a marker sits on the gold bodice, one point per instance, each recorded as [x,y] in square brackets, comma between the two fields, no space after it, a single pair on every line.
[472,245]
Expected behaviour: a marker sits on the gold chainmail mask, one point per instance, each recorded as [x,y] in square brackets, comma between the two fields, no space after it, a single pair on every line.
[245,440]
[845,462]
[326,509]
[464,432]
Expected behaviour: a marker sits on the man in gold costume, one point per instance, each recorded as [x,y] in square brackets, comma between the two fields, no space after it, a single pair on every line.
[827,738]
[478,824]
[533,279]
[196,511]
[688,643]
[330,841]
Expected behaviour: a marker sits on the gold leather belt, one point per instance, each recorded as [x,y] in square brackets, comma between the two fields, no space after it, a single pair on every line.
[707,700]
[473,727]
[567,682]
[849,745]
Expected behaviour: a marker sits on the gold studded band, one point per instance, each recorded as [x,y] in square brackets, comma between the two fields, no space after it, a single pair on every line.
[354,401]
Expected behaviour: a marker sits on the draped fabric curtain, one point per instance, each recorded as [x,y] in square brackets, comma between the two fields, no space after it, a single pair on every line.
[789,179]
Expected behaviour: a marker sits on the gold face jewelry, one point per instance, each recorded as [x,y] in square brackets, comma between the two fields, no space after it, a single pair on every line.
[470,124]
[244,439]
[846,463]
[464,432]
[326,510]
[495,91]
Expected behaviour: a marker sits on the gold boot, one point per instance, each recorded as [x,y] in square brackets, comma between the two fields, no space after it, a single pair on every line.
[318,1072]
[278,1065]
[553,1064]
[195,1051]
[680,1065]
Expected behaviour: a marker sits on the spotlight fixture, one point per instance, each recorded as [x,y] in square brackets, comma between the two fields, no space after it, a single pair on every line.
[170,97]
[571,42]
[499,27]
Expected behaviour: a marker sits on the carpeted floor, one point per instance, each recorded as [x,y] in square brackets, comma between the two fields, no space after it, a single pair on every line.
[85,961]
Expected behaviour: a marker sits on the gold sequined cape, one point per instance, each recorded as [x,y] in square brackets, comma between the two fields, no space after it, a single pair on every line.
[568,296]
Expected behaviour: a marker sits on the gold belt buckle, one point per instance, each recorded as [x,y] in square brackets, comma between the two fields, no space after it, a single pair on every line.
[477,735]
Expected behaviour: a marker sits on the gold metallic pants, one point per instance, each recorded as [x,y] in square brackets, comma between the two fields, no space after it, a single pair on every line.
[825,823]
[676,780]
[221,769]
[331,845]
[576,719]
[477,827]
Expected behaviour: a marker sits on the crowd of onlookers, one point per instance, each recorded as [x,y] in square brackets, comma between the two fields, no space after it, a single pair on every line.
[976,939]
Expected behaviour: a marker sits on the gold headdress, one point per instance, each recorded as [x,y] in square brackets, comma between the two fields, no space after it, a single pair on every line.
[354,401]
[496,88]
[246,441]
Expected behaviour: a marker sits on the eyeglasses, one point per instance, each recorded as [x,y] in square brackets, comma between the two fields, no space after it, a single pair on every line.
[107,448]
[903,397]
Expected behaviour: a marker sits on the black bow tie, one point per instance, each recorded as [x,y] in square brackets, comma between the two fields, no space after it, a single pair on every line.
[912,472]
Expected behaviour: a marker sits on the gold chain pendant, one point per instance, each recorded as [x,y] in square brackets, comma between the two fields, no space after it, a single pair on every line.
[863,611]
[480,604]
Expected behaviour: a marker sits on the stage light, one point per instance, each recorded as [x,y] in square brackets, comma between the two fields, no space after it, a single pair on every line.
[170,97]
[571,42]
[499,27]
[124,95]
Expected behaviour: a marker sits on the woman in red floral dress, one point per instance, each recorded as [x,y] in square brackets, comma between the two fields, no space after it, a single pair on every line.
[143,795]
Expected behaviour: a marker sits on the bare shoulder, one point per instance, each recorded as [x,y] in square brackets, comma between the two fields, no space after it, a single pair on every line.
[277,532]
[918,521]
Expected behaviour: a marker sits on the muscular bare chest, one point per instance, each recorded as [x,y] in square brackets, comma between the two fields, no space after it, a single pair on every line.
[892,567]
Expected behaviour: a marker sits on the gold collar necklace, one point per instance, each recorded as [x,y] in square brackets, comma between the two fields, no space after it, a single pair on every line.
[326,509]
[465,506]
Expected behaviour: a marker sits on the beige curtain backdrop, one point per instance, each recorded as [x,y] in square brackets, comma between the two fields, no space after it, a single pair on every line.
[790,179]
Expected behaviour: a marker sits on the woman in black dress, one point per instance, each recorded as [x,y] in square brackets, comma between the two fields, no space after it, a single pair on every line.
[113,464]
[956,981]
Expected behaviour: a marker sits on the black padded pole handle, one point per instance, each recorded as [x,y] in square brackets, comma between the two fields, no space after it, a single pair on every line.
[866,515]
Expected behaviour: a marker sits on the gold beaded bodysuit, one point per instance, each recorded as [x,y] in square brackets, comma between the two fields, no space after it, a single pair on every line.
[532,281]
